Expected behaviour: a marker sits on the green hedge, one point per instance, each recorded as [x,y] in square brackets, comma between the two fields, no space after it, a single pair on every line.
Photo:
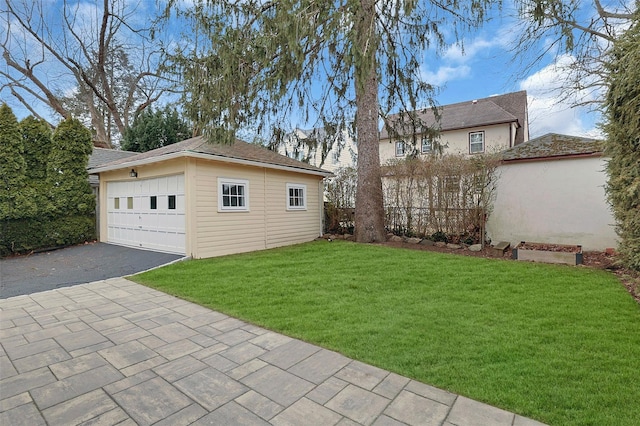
[25,235]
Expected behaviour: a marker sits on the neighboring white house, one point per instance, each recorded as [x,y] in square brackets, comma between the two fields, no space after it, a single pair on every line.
[320,149]
[203,200]
[474,127]
[551,190]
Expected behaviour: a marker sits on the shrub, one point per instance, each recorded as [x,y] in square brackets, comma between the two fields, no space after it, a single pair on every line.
[449,195]
[623,142]
[26,235]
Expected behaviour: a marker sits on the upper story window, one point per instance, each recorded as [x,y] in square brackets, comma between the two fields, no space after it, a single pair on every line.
[476,142]
[296,196]
[426,146]
[233,195]
[400,148]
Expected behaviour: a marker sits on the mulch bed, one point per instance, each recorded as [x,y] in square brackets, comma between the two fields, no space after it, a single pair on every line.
[591,259]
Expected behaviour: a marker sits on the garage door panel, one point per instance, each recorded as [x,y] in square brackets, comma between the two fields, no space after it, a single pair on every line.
[137,224]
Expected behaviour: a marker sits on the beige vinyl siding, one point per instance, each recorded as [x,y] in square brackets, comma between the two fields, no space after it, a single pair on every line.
[267,224]
[291,226]
[210,232]
[220,233]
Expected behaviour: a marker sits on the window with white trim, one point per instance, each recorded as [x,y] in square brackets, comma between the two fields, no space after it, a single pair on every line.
[426,146]
[476,142]
[400,149]
[296,196]
[233,195]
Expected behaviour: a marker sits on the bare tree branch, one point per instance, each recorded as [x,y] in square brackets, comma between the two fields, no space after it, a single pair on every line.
[91,53]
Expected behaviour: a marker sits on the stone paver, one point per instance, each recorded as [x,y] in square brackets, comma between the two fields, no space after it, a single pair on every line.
[114,352]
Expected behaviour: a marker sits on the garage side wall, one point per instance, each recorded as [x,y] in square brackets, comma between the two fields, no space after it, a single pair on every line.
[219,233]
[265,224]
[553,201]
[286,226]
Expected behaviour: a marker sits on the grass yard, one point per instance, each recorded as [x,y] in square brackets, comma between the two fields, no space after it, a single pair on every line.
[555,343]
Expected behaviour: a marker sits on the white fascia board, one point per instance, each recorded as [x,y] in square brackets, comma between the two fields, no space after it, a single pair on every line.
[204,156]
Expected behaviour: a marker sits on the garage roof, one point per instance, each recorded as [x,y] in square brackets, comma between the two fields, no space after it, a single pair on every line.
[239,152]
[553,145]
[101,156]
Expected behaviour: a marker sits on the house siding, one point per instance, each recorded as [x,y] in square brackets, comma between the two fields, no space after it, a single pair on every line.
[337,158]
[497,137]
[291,226]
[220,233]
[267,224]
[210,233]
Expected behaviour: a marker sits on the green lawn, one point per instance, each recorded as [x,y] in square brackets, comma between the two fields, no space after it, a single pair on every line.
[558,344]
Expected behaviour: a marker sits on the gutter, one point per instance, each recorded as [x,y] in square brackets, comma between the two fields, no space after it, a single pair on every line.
[553,158]
[192,154]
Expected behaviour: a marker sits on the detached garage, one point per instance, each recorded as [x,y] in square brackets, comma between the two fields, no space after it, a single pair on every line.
[204,200]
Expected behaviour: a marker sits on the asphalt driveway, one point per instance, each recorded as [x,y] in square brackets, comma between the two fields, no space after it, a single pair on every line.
[74,265]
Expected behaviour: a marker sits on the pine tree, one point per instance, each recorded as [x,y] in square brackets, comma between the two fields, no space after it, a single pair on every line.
[154,129]
[623,141]
[256,63]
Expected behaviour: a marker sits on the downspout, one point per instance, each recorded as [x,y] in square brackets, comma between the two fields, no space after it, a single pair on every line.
[510,135]
[321,202]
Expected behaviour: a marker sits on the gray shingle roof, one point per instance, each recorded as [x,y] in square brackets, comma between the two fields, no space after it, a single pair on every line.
[508,108]
[101,156]
[553,145]
[239,150]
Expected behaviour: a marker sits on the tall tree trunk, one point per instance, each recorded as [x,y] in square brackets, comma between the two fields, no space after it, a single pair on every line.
[369,220]
[100,137]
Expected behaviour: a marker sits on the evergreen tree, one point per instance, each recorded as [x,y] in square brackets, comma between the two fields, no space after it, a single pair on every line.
[256,63]
[16,197]
[67,175]
[154,129]
[36,137]
[623,141]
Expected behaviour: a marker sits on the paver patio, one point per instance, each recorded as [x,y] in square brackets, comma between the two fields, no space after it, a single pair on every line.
[115,352]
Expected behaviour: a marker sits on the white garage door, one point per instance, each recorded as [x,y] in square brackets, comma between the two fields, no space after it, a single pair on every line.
[147,213]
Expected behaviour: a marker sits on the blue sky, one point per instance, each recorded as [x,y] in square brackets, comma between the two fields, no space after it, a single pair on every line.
[486,68]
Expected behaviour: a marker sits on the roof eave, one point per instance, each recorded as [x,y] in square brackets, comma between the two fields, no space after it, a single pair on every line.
[450,129]
[194,154]
[554,157]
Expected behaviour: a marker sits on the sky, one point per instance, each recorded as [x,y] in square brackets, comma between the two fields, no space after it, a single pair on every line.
[487,67]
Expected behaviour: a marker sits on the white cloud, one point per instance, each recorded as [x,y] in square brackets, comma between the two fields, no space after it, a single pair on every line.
[550,109]
[456,53]
[444,74]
